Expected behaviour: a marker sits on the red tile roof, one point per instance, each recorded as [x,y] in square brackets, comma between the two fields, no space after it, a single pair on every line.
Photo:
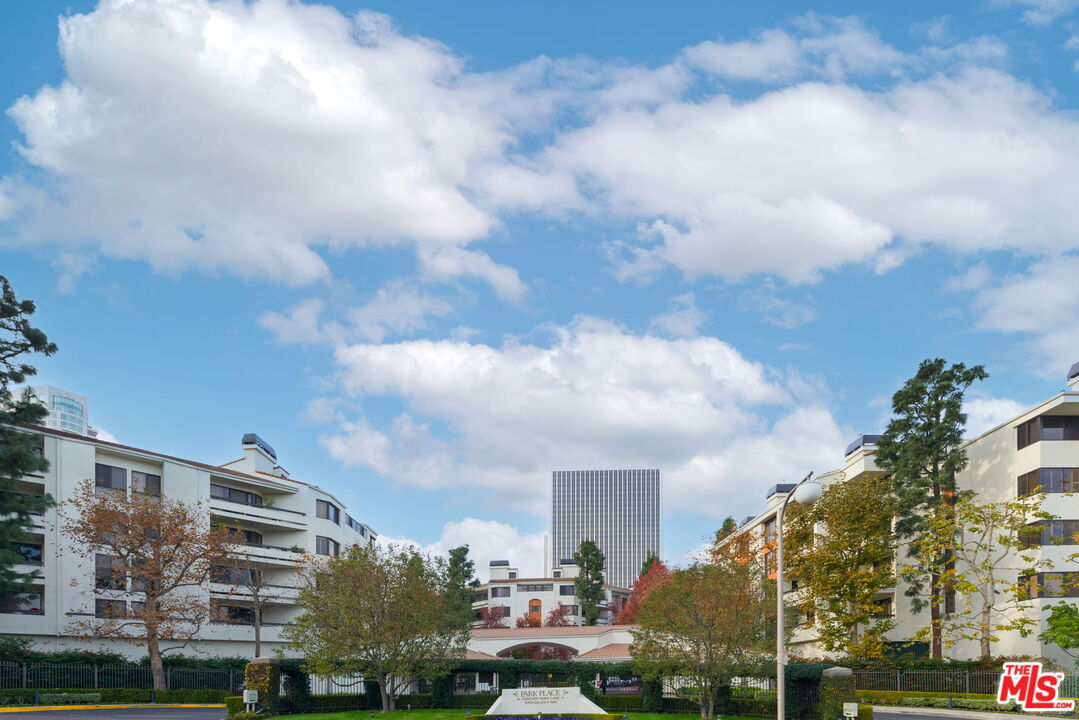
[549,631]
[608,652]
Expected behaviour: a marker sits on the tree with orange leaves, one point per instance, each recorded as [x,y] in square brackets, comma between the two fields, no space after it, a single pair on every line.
[528,620]
[655,577]
[152,557]
[557,617]
[493,617]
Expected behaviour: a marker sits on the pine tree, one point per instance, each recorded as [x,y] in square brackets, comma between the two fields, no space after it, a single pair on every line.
[18,456]
[459,574]
[922,451]
[589,580]
[650,559]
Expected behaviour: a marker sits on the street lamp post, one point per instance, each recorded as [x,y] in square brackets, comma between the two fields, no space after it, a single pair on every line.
[806,493]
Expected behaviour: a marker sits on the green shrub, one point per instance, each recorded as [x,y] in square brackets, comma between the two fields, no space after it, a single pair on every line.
[442,691]
[652,696]
[619,703]
[418,701]
[865,712]
[233,705]
[476,700]
[247,715]
[753,707]
[297,690]
[834,691]
[332,703]
[372,695]
[70,698]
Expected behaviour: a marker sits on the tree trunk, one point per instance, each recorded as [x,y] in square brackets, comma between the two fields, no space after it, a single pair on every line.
[258,627]
[153,649]
[387,696]
[987,611]
[935,629]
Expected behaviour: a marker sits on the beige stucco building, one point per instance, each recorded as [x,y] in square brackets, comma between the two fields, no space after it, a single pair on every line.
[280,518]
[1039,447]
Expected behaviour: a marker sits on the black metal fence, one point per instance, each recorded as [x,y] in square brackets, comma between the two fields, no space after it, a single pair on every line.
[943,681]
[42,676]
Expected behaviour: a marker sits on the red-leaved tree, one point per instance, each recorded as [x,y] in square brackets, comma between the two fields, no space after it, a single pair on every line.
[656,577]
[528,620]
[557,617]
[493,617]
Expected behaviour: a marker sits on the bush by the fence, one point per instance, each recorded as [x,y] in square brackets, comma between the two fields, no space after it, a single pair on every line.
[865,712]
[70,698]
[895,697]
[418,701]
[476,700]
[119,695]
[964,703]
[834,691]
[233,705]
[753,708]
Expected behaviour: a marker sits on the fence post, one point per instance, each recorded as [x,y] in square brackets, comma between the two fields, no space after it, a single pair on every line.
[168,678]
[24,676]
[96,668]
[897,688]
[232,683]
[967,685]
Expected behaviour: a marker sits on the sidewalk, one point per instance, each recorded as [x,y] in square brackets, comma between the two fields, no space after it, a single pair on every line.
[952,712]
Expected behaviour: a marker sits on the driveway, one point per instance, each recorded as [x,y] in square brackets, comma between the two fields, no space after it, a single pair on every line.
[915,713]
[150,713]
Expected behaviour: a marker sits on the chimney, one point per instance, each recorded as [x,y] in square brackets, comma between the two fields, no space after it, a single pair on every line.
[259,456]
[1073,376]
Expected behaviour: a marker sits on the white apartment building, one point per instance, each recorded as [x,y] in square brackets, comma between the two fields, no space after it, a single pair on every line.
[1039,447]
[67,410]
[515,596]
[281,519]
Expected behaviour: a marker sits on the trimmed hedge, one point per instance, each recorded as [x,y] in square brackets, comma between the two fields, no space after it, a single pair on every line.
[419,701]
[895,697]
[834,691]
[618,703]
[70,699]
[119,695]
[233,705]
[755,707]
[865,712]
[476,700]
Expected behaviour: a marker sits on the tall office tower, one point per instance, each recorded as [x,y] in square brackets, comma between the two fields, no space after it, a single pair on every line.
[618,509]
[67,411]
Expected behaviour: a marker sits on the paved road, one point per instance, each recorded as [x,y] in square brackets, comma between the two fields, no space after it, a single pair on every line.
[913,713]
[122,714]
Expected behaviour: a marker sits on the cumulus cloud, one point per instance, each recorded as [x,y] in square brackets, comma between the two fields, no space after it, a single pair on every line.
[682,320]
[1043,12]
[985,412]
[1040,305]
[242,136]
[396,308]
[487,540]
[501,418]
[814,176]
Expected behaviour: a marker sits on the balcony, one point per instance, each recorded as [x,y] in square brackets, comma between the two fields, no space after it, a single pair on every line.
[274,594]
[270,554]
[260,516]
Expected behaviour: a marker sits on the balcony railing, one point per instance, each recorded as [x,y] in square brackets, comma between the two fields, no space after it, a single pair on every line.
[259,507]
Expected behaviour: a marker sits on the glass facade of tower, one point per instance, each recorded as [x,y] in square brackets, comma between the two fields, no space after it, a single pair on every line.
[618,509]
[67,411]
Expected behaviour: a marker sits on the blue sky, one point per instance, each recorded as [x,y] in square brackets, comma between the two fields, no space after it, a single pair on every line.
[431,256]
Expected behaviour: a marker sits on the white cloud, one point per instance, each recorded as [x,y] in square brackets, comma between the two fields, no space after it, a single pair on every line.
[396,308]
[450,263]
[240,136]
[1040,304]
[682,320]
[985,412]
[487,540]
[502,418]
[1043,12]
[812,177]
[775,310]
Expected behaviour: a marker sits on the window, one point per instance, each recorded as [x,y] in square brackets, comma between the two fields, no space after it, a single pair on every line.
[355,525]
[67,405]
[949,602]
[513,575]
[567,590]
[30,552]
[505,610]
[108,573]
[1048,480]
[110,608]
[769,526]
[479,596]
[769,563]
[501,591]
[1047,427]
[884,607]
[31,602]
[145,483]
[326,546]
[558,573]
[328,511]
[1051,585]
[233,575]
[242,497]
[535,587]
[138,609]
[108,478]
[245,537]
[535,607]
[570,610]
[1051,532]
[235,615]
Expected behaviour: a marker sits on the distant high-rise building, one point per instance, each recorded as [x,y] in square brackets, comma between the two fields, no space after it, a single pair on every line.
[67,411]
[618,509]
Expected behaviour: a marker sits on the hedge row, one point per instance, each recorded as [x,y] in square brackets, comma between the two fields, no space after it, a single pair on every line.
[966,701]
[116,695]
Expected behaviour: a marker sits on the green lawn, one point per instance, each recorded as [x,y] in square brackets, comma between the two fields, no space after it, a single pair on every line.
[460,715]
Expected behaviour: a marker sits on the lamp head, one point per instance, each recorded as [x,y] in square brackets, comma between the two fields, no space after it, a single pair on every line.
[808,493]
